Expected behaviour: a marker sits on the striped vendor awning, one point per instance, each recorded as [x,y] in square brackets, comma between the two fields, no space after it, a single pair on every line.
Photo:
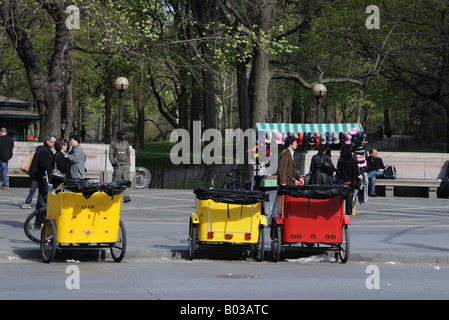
[307,127]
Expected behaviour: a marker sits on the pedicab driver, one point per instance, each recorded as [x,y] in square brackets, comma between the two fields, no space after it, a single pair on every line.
[120,159]
[287,166]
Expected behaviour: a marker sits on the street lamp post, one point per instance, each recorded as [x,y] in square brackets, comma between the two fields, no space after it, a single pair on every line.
[319,91]
[121,84]
[63,126]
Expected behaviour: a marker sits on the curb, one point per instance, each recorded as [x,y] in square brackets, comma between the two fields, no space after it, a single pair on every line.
[182,253]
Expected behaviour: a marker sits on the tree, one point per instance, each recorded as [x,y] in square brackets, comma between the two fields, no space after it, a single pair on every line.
[48,82]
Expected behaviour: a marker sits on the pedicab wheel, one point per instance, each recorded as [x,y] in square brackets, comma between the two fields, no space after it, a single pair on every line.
[143,177]
[260,249]
[48,241]
[276,236]
[344,246]
[118,249]
[192,240]
[33,231]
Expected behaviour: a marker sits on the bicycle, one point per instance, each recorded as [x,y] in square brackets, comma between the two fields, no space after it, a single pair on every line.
[33,230]
[236,183]
[143,177]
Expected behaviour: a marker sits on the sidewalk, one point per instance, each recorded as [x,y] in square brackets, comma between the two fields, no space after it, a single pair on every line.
[397,230]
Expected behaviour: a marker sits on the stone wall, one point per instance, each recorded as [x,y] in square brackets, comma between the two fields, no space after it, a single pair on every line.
[97,162]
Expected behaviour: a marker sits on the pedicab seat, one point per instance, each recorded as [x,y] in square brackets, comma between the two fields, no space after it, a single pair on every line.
[243,197]
[89,186]
[316,191]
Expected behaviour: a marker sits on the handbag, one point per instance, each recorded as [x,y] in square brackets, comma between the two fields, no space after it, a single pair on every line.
[25,167]
[56,174]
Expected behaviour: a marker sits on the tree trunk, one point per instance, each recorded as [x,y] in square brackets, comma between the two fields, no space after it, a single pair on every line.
[259,82]
[242,91]
[107,119]
[206,14]
[140,132]
[48,89]
[69,111]
[260,77]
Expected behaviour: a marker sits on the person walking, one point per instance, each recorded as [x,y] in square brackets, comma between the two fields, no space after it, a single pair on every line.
[29,198]
[6,152]
[120,158]
[39,170]
[76,158]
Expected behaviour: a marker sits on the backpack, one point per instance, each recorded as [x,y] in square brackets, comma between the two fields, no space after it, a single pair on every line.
[328,166]
[390,172]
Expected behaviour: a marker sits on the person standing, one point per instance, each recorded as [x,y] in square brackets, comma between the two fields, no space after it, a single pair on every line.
[39,170]
[287,166]
[120,158]
[375,169]
[348,172]
[76,158]
[6,147]
[60,162]
[321,168]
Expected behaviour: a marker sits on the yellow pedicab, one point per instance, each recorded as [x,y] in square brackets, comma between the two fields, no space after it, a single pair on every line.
[84,215]
[229,219]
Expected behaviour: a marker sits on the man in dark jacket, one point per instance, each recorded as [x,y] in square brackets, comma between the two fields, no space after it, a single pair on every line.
[39,169]
[6,147]
[375,169]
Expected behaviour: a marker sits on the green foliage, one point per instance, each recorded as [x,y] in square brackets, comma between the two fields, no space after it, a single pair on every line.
[406,60]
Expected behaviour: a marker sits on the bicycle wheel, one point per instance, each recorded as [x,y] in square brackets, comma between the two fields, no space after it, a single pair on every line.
[119,248]
[48,241]
[32,230]
[143,177]
[260,247]
[344,246]
[276,241]
[193,240]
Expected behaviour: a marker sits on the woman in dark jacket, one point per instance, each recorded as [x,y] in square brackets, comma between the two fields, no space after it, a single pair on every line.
[321,168]
[62,164]
[348,173]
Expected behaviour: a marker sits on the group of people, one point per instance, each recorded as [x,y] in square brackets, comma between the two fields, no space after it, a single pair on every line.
[55,154]
[322,168]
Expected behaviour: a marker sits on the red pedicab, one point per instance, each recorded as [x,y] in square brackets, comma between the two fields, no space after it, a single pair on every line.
[311,218]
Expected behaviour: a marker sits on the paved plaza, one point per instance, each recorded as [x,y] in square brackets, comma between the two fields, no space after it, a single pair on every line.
[396,230]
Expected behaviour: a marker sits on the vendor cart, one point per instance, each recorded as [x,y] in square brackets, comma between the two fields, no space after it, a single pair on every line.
[271,136]
[228,219]
[84,215]
[311,218]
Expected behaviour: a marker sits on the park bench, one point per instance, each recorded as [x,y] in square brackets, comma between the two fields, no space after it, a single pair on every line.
[418,173]
[404,187]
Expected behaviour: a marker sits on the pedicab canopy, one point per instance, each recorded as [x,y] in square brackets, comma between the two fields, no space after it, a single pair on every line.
[308,127]
[242,197]
[315,191]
